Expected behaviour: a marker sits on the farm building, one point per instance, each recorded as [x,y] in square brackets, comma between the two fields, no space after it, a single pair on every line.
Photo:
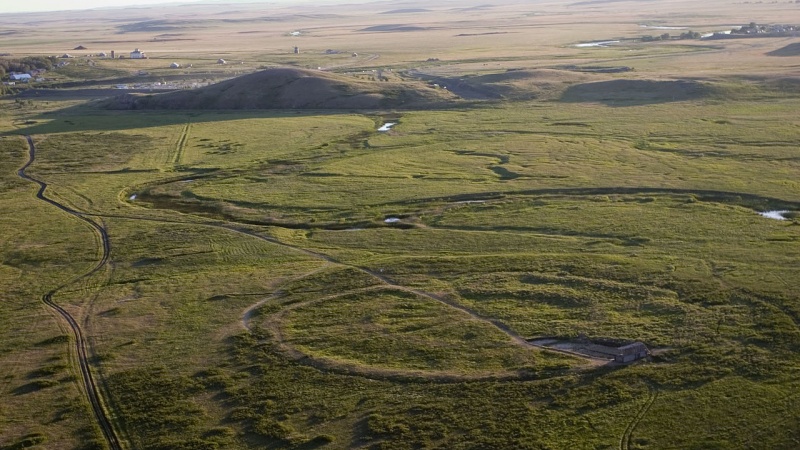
[631,352]
[175,66]
[222,61]
[20,77]
[138,54]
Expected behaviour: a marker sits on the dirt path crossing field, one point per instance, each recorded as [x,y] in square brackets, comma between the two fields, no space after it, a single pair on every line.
[93,392]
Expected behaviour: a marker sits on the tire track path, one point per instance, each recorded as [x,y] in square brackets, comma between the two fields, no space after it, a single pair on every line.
[90,386]
[387,283]
[625,441]
[180,147]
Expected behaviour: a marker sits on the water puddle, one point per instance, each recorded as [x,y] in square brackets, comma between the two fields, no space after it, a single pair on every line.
[387,126]
[597,44]
[776,215]
[392,220]
[658,27]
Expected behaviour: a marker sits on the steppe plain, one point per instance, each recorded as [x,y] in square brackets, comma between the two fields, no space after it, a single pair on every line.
[288,276]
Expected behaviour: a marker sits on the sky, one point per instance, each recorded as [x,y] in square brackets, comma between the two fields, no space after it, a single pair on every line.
[13,6]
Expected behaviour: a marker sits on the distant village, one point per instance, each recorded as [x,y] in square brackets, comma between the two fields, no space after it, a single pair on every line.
[30,70]
[751,30]
[755,30]
[33,69]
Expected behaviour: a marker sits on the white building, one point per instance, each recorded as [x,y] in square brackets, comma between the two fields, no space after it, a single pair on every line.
[20,77]
[138,54]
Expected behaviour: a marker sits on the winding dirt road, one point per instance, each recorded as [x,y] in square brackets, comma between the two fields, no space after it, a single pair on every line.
[88,382]
[627,436]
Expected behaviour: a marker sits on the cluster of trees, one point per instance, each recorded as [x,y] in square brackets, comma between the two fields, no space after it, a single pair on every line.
[27,64]
[666,36]
[690,35]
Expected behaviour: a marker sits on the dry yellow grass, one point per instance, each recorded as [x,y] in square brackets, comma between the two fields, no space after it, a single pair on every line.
[507,35]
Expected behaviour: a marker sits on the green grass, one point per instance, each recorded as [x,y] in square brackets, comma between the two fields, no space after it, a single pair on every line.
[256,297]
[490,151]
[726,424]
[395,329]
[553,230]
[522,221]
[40,400]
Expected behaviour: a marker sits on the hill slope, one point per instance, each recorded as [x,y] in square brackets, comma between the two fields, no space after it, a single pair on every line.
[290,88]
[789,50]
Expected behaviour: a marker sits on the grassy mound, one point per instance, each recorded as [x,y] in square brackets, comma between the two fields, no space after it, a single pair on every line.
[789,50]
[512,84]
[636,91]
[528,84]
[289,88]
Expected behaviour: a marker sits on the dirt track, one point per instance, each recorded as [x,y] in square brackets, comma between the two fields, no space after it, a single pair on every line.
[625,441]
[81,353]
[388,284]
[94,393]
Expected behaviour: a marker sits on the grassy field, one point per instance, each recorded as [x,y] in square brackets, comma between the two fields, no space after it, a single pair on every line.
[256,296]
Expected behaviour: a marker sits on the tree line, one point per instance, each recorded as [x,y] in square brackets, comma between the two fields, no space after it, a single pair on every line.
[27,64]
[667,37]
